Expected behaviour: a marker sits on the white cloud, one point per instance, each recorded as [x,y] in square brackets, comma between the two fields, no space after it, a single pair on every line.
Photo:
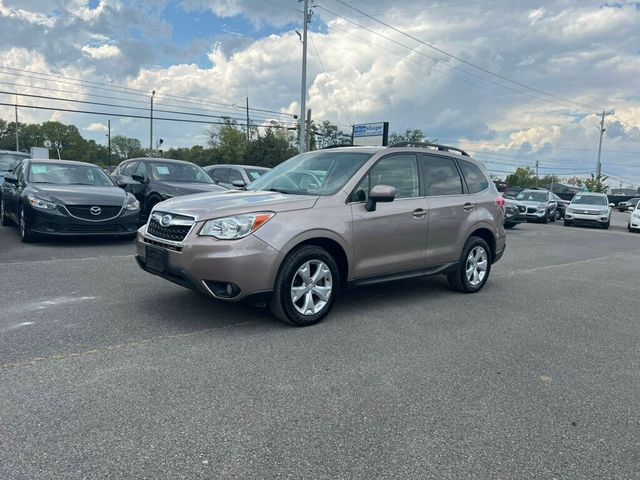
[97,128]
[102,52]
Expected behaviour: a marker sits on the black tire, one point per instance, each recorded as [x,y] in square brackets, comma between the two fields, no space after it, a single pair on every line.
[629,227]
[281,303]
[25,231]
[509,225]
[546,218]
[552,218]
[607,225]
[4,220]
[151,202]
[458,278]
[567,223]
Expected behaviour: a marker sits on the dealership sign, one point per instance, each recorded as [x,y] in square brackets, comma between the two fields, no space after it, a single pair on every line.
[371,134]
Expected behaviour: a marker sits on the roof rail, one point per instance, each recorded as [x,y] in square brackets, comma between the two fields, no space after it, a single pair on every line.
[338,145]
[437,146]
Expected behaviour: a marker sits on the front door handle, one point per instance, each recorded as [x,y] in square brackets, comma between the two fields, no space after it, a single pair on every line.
[419,213]
[468,206]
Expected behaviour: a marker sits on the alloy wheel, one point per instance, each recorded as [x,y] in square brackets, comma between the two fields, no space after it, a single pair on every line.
[311,287]
[476,266]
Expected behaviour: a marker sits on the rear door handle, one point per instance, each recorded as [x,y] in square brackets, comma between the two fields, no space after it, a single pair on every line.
[419,213]
[468,206]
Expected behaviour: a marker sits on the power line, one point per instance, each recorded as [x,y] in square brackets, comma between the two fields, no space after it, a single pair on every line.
[104,104]
[466,62]
[113,114]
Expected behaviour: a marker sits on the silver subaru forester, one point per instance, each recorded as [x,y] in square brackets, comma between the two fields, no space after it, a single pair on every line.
[330,219]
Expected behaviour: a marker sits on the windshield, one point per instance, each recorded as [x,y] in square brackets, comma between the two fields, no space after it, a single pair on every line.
[68,174]
[254,173]
[532,196]
[312,173]
[9,160]
[179,172]
[590,200]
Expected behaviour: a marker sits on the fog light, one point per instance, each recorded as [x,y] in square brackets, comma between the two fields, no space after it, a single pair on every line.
[222,289]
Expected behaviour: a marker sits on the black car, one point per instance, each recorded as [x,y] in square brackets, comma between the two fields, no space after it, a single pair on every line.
[53,197]
[514,213]
[9,160]
[153,180]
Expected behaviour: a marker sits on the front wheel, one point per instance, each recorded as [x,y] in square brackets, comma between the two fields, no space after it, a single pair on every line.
[509,225]
[546,218]
[606,225]
[474,267]
[25,231]
[4,220]
[306,286]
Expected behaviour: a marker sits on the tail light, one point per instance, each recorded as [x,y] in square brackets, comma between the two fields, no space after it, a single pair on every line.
[501,202]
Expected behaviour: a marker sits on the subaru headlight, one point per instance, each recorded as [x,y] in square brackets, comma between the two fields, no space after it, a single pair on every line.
[131,203]
[40,203]
[232,228]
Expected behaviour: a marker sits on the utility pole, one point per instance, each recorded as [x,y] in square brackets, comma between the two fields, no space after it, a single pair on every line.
[109,137]
[17,135]
[307,140]
[537,163]
[153,94]
[248,124]
[303,88]
[602,130]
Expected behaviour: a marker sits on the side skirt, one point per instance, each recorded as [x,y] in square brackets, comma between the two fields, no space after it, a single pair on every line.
[390,277]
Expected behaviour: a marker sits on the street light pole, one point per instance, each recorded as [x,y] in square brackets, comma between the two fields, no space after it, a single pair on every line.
[303,88]
[17,135]
[153,94]
[109,137]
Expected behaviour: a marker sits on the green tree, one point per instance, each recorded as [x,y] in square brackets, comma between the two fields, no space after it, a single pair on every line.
[409,135]
[271,148]
[522,177]
[327,134]
[126,147]
[229,141]
[596,183]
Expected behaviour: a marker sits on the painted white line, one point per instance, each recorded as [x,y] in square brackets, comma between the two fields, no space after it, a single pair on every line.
[46,304]
[55,260]
[16,326]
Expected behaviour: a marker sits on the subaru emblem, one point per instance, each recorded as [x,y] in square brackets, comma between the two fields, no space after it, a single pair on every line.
[95,210]
[165,221]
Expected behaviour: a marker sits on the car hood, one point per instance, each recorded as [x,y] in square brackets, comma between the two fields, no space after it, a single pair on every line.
[79,194]
[588,206]
[205,206]
[531,203]
[186,188]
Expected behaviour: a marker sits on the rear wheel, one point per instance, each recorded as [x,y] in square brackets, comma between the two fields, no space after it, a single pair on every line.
[4,220]
[474,267]
[306,286]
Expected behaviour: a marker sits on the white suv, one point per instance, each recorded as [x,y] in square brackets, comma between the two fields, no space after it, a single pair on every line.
[634,218]
[588,209]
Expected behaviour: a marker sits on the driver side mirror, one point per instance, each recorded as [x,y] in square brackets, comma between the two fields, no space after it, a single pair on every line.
[138,177]
[380,193]
[238,183]
[12,179]
[612,204]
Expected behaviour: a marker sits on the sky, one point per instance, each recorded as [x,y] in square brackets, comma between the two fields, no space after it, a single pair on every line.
[512,82]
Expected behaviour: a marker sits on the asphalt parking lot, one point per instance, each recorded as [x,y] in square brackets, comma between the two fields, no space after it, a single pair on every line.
[108,372]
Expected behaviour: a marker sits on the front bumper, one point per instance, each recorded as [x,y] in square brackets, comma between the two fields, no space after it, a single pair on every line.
[586,219]
[59,222]
[634,223]
[534,213]
[514,217]
[247,266]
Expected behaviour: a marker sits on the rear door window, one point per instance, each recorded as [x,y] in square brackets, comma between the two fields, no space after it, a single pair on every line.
[441,176]
[475,178]
[220,174]
[235,175]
